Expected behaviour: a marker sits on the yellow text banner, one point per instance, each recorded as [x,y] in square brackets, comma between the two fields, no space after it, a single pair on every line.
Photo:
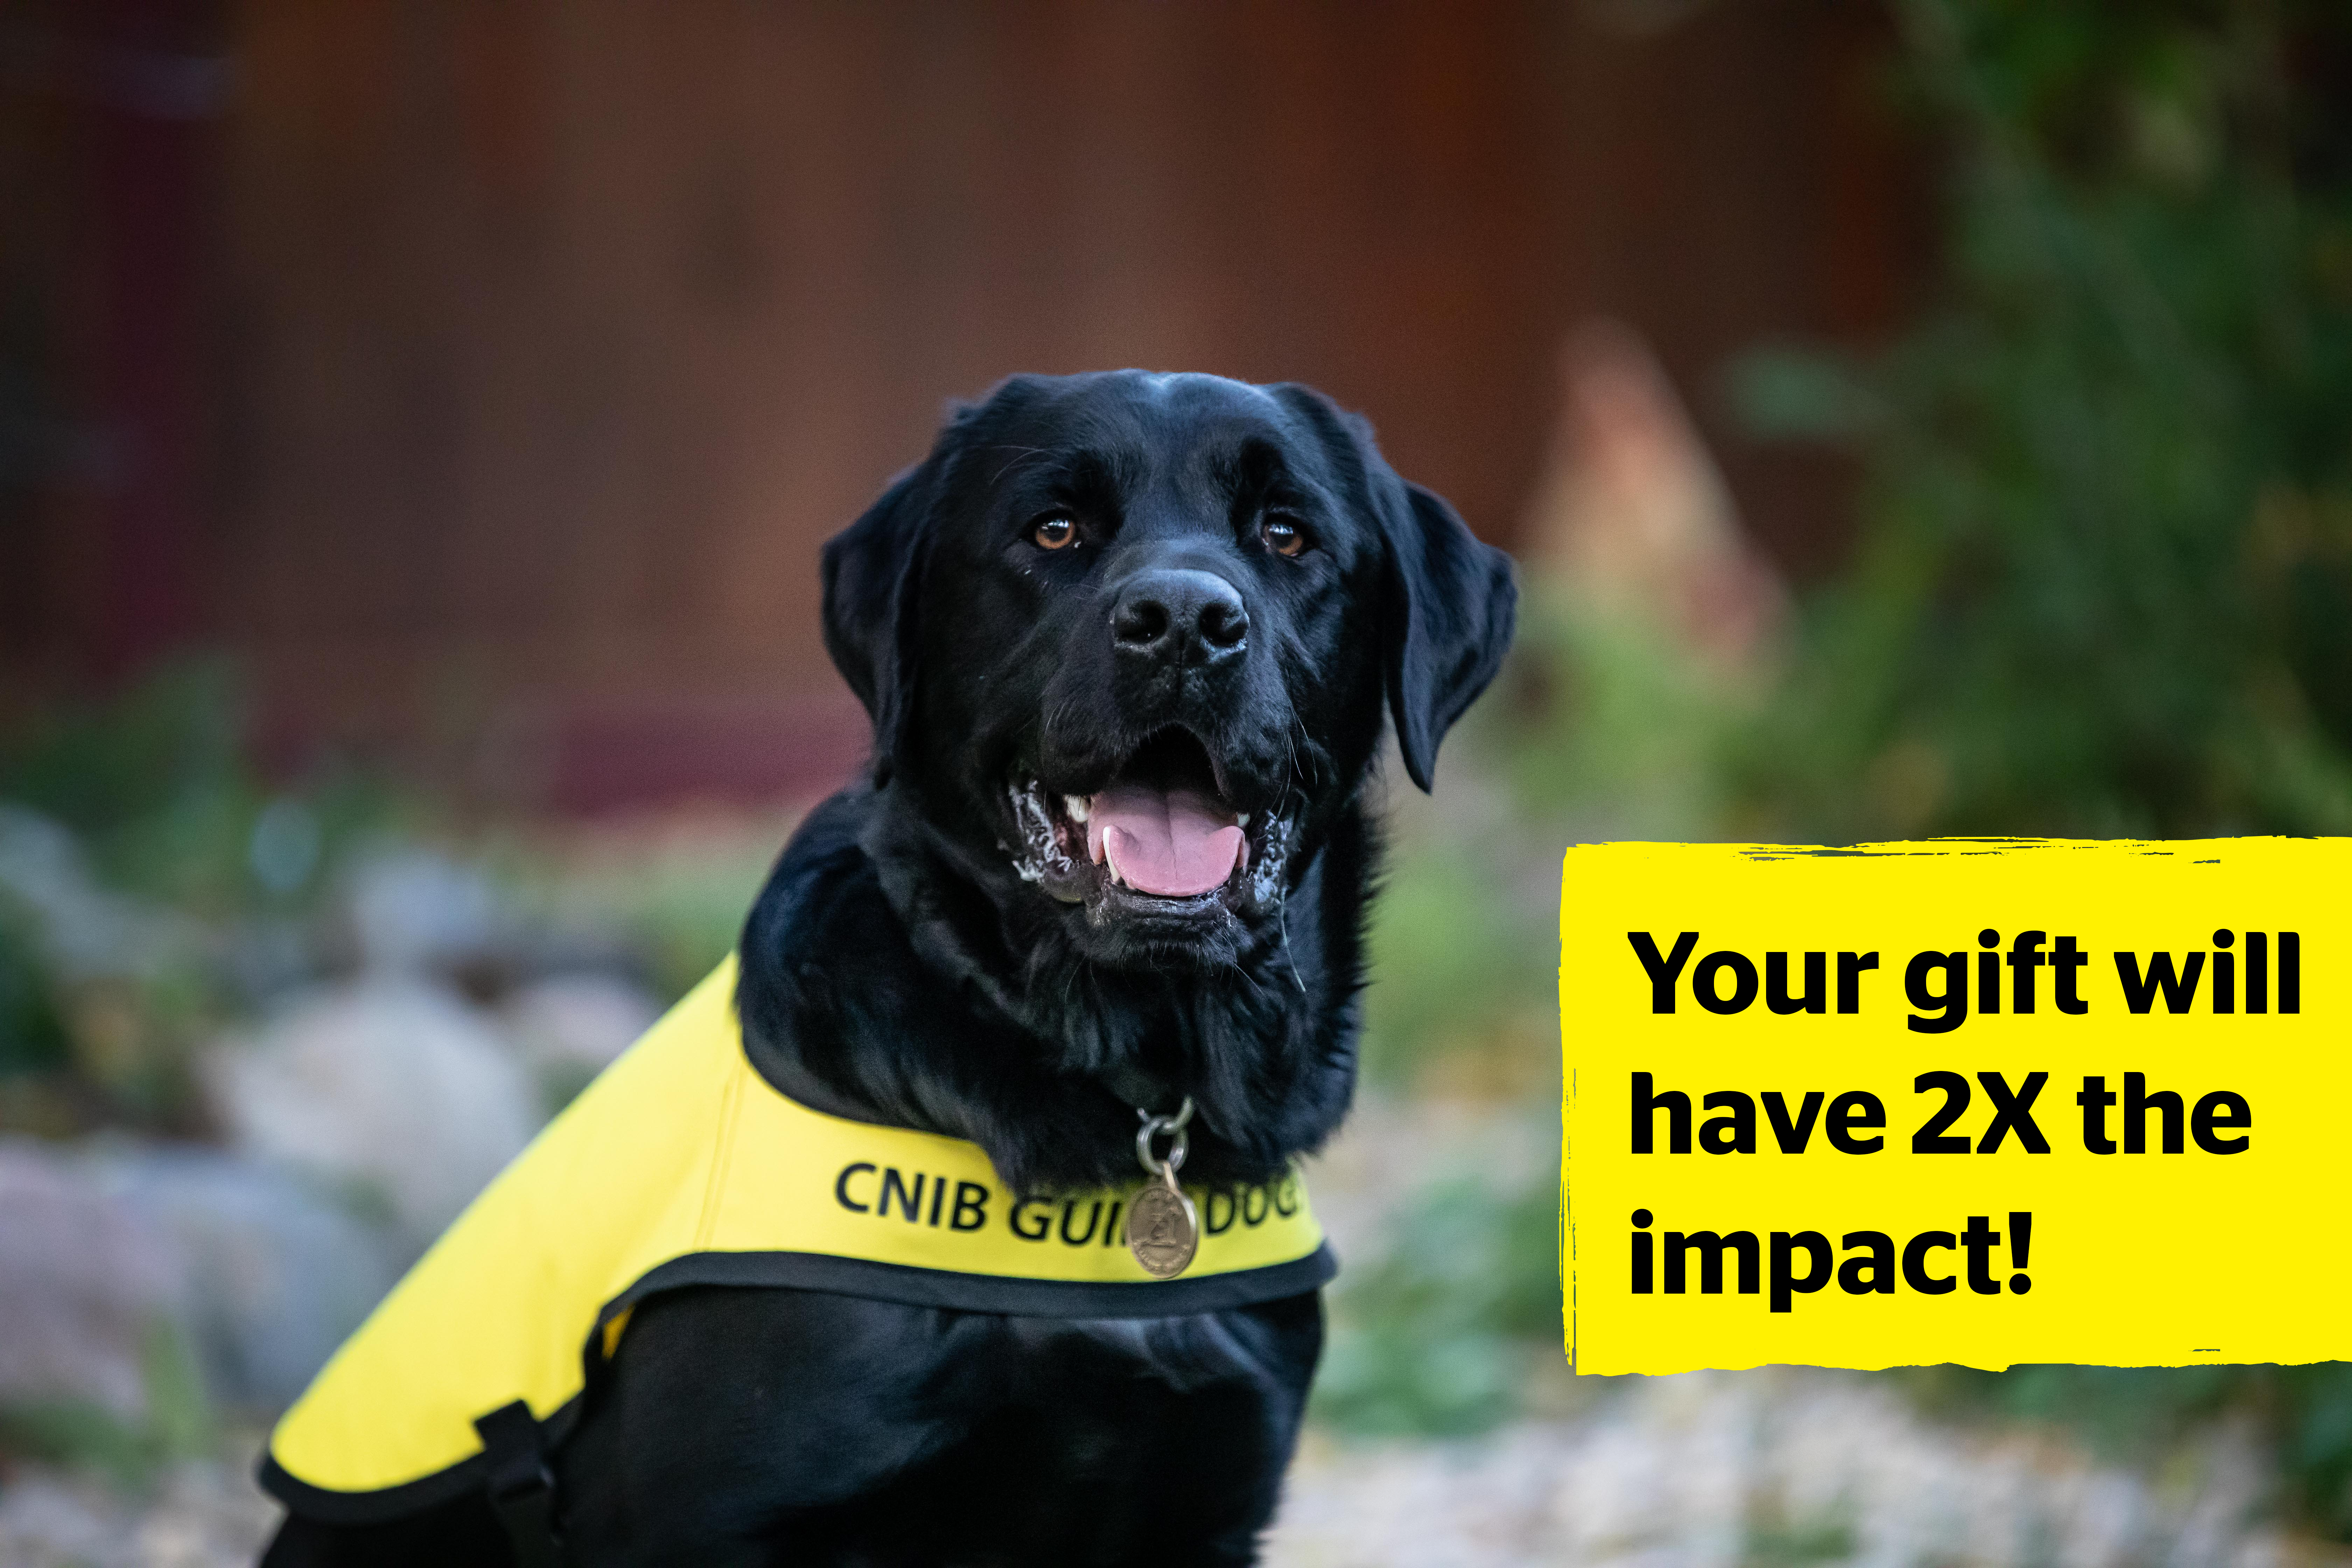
[1983,1102]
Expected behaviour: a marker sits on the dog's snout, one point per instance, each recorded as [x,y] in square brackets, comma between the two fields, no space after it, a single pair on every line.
[1180,617]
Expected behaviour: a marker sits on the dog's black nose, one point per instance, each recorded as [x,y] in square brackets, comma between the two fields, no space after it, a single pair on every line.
[1180,617]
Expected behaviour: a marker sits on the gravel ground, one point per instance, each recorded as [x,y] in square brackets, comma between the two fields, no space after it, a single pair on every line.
[199,1516]
[1777,1469]
[1772,1468]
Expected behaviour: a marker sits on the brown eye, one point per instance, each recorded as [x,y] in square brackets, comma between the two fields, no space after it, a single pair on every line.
[1282,535]
[1053,533]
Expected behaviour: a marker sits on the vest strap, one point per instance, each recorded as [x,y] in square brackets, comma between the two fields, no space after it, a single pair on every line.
[521,1487]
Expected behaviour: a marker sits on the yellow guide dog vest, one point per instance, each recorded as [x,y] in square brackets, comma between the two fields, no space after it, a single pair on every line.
[681,1165]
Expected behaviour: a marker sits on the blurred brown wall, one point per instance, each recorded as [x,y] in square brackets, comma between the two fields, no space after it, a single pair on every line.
[109,248]
[555,335]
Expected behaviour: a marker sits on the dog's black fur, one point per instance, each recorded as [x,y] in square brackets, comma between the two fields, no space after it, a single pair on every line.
[936,949]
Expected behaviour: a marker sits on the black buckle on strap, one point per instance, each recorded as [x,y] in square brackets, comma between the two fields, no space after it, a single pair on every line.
[521,1487]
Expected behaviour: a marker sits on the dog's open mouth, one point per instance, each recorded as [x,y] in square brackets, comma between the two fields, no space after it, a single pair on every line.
[1163,830]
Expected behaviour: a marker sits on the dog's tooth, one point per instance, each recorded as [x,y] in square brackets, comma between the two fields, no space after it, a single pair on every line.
[1243,820]
[1075,807]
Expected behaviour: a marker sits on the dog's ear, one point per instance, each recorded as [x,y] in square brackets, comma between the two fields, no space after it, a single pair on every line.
[1448,605]
[1447,601]
[871,570]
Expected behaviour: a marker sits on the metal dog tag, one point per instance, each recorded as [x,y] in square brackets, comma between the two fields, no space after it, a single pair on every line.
[1162,1230]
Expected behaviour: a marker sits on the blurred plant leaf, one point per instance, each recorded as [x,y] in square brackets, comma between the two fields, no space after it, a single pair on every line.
[2105,575]
[1434,1337]
[2102,585]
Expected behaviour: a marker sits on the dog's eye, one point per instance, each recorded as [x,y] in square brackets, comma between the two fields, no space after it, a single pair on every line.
[1053,533]
[1282,535]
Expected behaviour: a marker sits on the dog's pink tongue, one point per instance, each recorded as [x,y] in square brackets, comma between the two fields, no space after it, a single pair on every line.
[1173,844]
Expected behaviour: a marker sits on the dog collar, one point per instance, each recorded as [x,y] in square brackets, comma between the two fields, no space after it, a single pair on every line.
[681,1165]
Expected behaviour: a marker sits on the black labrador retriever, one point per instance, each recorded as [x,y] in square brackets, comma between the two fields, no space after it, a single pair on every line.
[1128,641]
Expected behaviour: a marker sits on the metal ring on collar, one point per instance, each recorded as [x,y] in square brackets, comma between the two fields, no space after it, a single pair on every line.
[1153,1126]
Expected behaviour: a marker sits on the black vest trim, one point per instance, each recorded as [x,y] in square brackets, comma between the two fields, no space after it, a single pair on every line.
[877,1281]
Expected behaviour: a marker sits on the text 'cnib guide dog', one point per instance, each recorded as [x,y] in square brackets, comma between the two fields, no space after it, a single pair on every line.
[874,1250]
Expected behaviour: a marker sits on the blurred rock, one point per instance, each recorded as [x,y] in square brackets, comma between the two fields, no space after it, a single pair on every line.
[578,1020]
[100,1246]
[389,1087]
[201,1516]
[412,910]
[82,1285]
[272,1276]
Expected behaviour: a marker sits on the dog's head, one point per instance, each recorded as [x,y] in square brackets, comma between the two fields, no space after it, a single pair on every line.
[1126,640]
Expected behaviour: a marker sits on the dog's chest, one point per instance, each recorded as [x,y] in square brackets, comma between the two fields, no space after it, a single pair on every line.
[855,1430]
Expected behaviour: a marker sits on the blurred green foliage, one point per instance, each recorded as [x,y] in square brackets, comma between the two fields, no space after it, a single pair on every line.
[154,782]
[2103,584]
[1436,1335]
[177,1422]
[157,785]
[1607,724]
[2137,1414]
[2104,580]
[172,837]
[1454,966]
[1772,1543]
[32,1037]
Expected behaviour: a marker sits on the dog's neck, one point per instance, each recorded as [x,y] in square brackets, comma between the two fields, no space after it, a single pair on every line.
[892,974]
